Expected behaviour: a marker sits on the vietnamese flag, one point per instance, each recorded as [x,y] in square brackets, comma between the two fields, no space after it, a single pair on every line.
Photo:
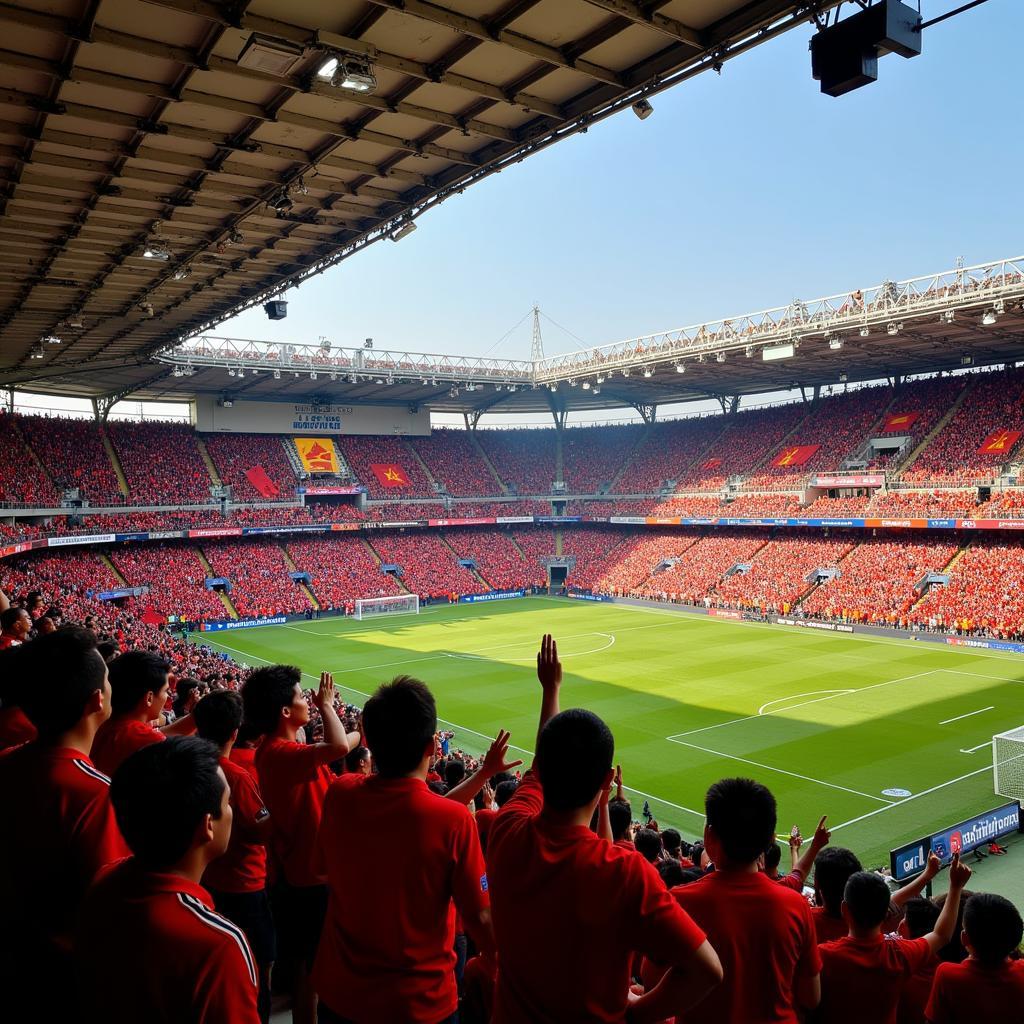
[257,476]
[1000,442]
[711,464]
[898,421]
[389,475]
[795,455]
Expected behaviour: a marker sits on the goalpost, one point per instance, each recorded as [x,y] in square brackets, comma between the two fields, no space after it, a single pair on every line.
[1008,763]
[397,604]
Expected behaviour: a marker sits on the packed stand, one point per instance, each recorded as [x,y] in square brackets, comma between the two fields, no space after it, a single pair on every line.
[497,559]
[73,453]
[595,549]
[878,582]
[638,557]
[667,451]
[161,463]
[22,480]
[779,573]
[455,462]
[258,571]
[175,577]
[593,456]
[342,569]
[609,507]
[838,508]
[524,459]
[993,411]
[537,543]
[429,566]
[363,452]
[1003,505]
[924,504]
[771,505]
[701,567]
[233,454]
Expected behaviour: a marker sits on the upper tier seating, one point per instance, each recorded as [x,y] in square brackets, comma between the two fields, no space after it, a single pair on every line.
[592,456]
[21,480]
[72,451]
[523,458]
[161,463]
[666,452]
[233,454]
[363,452]
[455,462]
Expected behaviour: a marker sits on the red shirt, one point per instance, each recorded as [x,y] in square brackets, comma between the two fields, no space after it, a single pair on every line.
[118,737]
[972,992]
[764,936]
[246,757]
[794,880]
[150,947]
[59,830]
[386,952]
[827,927]
[243,868]
[294,781]
[15,728]
[914,997]
[862,979]
[569,910]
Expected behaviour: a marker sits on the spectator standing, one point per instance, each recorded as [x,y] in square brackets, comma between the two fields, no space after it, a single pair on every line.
[15,626]
[598,904]
[150,945]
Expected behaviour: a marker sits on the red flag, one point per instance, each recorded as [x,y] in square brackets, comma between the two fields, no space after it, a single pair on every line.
[898,421]
[1000,442]
[257,476]
[795,455]
[711,464]
[389,475]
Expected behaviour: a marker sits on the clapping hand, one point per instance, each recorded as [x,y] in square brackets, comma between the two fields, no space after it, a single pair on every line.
[494,760]
[324,695]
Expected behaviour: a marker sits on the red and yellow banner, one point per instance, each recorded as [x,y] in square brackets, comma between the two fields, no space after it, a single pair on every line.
[795,455]
[898,421]
[389,475]
[317,454]
[257,476]
[711,464]
[1000,442]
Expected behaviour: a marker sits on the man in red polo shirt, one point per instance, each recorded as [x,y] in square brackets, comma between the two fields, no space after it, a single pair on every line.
[294,778]
[386,954]
[15,626]
[762,931]
[988,985]
[139,683]
[833,866]
[570,909]
[864,973]
[150,946]
[238,880]
[58,824]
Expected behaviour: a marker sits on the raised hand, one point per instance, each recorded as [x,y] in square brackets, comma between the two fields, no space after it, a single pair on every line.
[494,760]
[324,695]
[959,874]
[822,836]
[934,865]
[549,668]
[618,782]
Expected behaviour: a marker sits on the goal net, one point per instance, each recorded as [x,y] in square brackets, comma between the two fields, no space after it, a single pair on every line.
[1008,763]
[398,604]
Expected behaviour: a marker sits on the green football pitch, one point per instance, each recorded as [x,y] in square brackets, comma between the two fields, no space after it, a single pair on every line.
[889,738]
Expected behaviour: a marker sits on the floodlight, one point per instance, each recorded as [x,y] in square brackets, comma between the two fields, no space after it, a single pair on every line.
[36,352]
[835,344]
[597,389]
[51,339]
[406,227]
[648,372]
[680,368]
[312,375]
[277,375]
[586,385]
[643,109]
[276,309]
[843,378]
[348,71]
[892,330]
[865,332]
[182,273]
[156,251]
[948,316]
[989,318]
[719,357]
[280,202]
[966,360]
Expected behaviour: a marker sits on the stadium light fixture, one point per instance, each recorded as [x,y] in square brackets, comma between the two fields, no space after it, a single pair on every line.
[643,109]
[989,318]
[586,385]
[626,372]
[553,387]
[51,339]
[719,357]
[892,329]
[280,202]
[312,375]
[749,351]
[865,332]
[156,251]
[36,352]
[231,371]
[407,227]
[182,273]
[600,379]
[348,71]
[597,389]
[843,378]
[835,344]
[277,375]
[648,372]
[966,360]
[948,316]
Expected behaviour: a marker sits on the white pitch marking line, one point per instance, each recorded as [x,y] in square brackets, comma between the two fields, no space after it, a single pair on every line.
[906,800]
[971,750]
[781,771]
[969,714]
[789,707]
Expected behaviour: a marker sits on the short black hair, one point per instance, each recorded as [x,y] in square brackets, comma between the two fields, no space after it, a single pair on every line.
[161,794]
[772,857]
[355,757]
[575,750]
[743,815]
[648,844]
[108,650]
[9,616]
[454,772]
[832,867]
[399,722]
[504,792]
[182,692]
[620,816]
[867,898]
[133,675]
[920,916]
[266,693]
[671,872]
[53,678]
[993,924]
[672,841]
[217,716]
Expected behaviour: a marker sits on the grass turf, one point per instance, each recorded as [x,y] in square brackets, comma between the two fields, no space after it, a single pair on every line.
[827,721]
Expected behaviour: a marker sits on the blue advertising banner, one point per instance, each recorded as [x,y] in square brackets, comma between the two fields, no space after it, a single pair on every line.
[494,595]
[587,597]
[991,645]
[214,627]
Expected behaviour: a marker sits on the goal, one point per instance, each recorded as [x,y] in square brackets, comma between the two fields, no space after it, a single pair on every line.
[1008,763]
[398,604]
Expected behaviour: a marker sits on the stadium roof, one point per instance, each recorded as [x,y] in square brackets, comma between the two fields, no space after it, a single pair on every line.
[246,145]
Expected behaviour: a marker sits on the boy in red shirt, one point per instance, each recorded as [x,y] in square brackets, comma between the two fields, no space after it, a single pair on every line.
[238,880]
[58,824]
[294,778]
[762,931]
[833,867]
[387,950]
[570,909]
[988,985]
[863,974]
[139,683]
[150,946]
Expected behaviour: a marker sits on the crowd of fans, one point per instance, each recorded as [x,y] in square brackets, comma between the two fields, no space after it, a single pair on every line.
[161,463]
[73,453]
[592,456]
[455,462]
[595,549]
[524,459]
[22,481]
[342,569]
[382,450]
[430,567]
[668,449]
[497,558]
[234,454]
[258,573]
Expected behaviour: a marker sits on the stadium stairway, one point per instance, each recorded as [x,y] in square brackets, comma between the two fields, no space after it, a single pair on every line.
[415,456]
[814,586]
[487,462]
[292,567]
[475,572]
[380,561]
[559,455]
[947,568]
[934,432]
[211,572]
[106,560]
[115,462]
[515,544]
[204,454]
[43,471]
[782,444]
[630,456]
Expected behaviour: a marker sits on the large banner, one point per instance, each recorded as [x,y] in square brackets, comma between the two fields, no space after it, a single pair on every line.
[317,454]
[795,455]
[257,476]
[898,421]
[308,419]
[1000,442]
[389,475]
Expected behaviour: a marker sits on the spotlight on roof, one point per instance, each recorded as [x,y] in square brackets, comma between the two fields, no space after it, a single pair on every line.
[597,389]
[348,71]
[235,237]
[749,351]
[948,316]
[835,344]
[989,318]
[586,385]
[865,332]
[843,378]
[312,375]
[36,352]
[156,251]
[719,357]
[182,273]
[643,109]
[553,387]
[276,309]
[280,202]
[51,339]
[626,372]
[648,372]
[966,360]
[892,329]
[406,227]
[600,379]
[75,322]
[680,368]
[277,375]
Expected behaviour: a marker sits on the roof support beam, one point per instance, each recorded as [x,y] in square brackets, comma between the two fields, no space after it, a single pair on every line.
[648,411]
[640,15]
